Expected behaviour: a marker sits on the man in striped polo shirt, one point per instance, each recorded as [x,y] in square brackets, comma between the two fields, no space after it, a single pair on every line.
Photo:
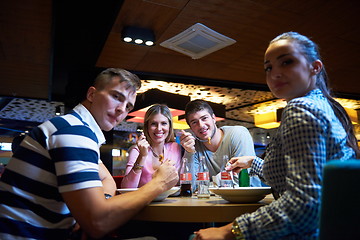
[54,176]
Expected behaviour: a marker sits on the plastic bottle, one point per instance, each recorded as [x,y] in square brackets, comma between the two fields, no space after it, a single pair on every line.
[203,179]
[226,177]
[185,179]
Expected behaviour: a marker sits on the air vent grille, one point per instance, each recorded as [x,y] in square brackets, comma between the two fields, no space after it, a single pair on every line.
[197,41]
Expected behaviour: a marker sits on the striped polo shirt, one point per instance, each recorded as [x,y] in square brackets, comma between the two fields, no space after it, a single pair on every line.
[60,155]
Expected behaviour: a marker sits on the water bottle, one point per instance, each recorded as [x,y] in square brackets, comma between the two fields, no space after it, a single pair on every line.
[185,179]
[203,179]
[226,176]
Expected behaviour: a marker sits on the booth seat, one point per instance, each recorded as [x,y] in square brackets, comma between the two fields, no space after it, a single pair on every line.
[340,205]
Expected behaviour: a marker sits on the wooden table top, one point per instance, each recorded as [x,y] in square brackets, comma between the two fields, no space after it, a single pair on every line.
[181,209]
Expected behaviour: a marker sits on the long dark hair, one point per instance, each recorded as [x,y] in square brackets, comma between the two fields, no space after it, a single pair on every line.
[312,53]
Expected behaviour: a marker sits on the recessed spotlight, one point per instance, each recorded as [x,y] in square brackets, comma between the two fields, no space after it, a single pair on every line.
[127,39]
[137,35]
[138,41]
[149,43]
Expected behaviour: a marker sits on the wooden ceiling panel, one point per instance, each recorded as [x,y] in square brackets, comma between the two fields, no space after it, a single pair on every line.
[177,65]
[87,40]
[24,79]
[120,54]
[179,4]
[25,45]
[156,15]
[145,14]
[25,39]
[252,23]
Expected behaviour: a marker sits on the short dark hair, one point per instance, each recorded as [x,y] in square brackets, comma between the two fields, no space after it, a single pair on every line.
[107,75]
[196,106]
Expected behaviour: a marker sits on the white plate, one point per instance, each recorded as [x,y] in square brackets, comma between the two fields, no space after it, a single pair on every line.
[160,197]
[242,194]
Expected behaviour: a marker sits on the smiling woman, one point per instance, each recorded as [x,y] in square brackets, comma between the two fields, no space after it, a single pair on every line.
[156,145]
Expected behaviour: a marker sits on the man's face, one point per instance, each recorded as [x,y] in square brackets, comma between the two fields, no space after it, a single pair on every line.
[112,104]
[202,124]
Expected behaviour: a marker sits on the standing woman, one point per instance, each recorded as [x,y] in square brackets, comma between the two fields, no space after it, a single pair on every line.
[152,148]
[314,129]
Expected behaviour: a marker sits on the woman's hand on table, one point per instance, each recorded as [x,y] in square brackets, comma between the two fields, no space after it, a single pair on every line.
[223,232]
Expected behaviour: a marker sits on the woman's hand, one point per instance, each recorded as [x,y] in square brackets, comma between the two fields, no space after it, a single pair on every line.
[143,145]
[239,163]
[223,233]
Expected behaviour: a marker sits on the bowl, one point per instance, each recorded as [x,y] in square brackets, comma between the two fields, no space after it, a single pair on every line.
[160,197]
[242,194]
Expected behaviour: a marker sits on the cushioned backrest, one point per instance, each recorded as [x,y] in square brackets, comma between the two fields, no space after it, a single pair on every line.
[340,206]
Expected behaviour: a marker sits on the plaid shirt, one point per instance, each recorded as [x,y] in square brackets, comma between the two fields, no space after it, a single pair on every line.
[310,134]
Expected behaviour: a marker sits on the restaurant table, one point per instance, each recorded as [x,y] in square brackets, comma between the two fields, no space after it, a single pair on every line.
[182,209]
[177,218]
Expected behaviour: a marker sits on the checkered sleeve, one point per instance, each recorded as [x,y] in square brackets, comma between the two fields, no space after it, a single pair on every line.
[303,139]
[256,168]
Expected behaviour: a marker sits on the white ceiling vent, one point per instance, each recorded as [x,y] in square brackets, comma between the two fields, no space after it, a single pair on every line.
[197,41]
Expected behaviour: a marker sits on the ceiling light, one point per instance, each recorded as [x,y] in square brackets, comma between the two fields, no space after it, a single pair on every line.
[127,39]
[179,124]
[139,41]
[137,35]
[59,110]
[175,102]
[268,120]
[272,119]
[149,43]
[354,115]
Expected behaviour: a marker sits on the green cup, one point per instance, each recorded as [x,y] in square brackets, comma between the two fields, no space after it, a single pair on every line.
[244,179]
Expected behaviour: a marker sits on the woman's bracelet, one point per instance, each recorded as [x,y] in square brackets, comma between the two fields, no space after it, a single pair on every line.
[236,231]
[138,166]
